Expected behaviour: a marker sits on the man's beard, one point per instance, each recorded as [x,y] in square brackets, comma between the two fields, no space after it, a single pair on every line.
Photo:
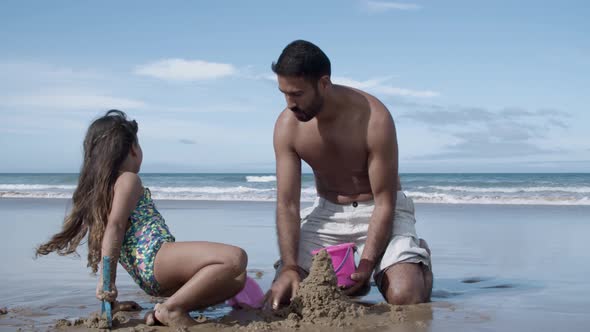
[305,115]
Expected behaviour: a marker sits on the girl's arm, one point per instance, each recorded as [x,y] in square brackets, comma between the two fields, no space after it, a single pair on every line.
[127,192]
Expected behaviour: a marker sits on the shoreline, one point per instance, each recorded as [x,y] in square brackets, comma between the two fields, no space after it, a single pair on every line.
[303,203]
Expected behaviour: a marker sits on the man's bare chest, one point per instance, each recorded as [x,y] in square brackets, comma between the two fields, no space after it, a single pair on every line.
[348,154]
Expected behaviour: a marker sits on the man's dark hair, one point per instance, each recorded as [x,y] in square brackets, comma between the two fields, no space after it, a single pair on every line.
[302,59]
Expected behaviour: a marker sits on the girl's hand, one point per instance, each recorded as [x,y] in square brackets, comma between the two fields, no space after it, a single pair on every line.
[109,296]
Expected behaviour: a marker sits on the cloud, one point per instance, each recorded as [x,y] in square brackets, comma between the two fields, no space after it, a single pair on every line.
[370,83]
[557,123]
[483,145]
[482,133]
[449,117]
[41,86]
[27,123]
[393,91]
[553,112]
[187,141]
[184,130]
[378,85]
[264,77]
[71,101]
[384,6]
[185,70]
[251,73]
[460,115]
[199,107]
[26,73]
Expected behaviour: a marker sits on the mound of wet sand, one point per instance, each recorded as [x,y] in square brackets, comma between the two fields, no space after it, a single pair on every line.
[95,321]
[321,304]
[319,300]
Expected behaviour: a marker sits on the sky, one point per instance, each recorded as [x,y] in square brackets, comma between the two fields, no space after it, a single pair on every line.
[473,86]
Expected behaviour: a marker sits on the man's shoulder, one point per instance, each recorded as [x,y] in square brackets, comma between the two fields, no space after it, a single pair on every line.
[367,100]
[376,106]
[285,128]
[286,120]
[379,119]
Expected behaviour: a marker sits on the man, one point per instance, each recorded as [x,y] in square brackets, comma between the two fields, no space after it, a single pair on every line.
[348,138]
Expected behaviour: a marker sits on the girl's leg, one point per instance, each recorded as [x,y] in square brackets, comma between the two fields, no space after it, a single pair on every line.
[196,275]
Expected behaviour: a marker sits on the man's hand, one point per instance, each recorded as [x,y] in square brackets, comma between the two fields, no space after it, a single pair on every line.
[362,276]
[283,290]
[109,296]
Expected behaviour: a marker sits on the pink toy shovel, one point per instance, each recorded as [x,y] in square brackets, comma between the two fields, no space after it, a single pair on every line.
[343,261]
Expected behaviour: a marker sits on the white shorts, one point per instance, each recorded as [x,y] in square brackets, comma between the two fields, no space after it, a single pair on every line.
[326,223]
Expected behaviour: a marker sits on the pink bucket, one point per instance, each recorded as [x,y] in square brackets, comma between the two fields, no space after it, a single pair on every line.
[343,262]
[250,297]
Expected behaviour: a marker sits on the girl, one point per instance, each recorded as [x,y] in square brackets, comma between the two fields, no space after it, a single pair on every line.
[118,214]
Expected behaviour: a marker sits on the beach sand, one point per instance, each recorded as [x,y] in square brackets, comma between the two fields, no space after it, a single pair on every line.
[496,268]
[319,304]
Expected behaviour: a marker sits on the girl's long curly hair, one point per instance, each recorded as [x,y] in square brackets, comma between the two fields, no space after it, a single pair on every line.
[106,146]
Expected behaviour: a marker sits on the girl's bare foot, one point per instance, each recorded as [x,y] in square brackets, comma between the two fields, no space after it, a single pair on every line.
[172,318]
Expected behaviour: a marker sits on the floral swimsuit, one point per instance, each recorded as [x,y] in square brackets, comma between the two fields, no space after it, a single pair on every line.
[143,239]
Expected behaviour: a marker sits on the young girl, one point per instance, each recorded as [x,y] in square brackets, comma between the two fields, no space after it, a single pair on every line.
[122,222]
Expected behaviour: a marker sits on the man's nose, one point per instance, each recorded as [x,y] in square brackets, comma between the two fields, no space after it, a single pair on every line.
[291,103]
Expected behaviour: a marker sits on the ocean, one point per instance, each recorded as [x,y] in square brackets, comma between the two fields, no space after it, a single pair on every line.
[499,188]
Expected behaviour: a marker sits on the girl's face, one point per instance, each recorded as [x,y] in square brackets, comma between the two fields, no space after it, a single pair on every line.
[132,162]
[136,155]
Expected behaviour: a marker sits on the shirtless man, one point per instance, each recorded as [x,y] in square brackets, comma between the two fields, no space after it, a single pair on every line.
[348,138]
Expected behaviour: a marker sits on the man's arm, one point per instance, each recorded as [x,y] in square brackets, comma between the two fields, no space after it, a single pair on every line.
[383,174]
[288,170]
[288,218]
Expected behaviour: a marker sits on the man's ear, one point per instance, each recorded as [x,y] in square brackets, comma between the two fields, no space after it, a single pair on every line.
[324,82]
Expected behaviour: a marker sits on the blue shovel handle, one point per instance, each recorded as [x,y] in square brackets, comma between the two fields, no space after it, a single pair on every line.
[106,286]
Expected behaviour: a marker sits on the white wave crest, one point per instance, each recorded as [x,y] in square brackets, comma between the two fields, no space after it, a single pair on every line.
[36,187]
[441,198]
[215,197]
[263,178]
[309,191]
[308,194]
[34,194]
[209,190]
[578,190]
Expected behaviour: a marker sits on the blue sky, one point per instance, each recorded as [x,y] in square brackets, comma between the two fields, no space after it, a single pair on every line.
[473,86]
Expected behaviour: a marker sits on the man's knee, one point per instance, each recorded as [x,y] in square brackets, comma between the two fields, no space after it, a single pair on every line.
[404,284]
[405,296]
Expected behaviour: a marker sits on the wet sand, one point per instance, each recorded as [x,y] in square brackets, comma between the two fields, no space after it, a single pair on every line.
[319,304]
[508,268]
